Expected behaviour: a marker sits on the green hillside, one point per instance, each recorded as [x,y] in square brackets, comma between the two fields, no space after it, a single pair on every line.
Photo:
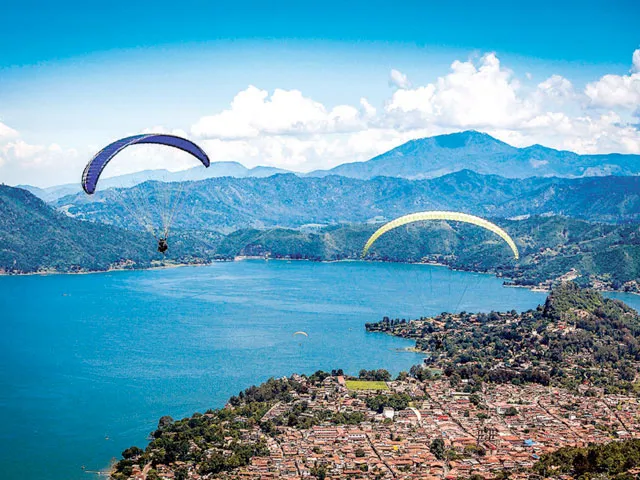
[34,237]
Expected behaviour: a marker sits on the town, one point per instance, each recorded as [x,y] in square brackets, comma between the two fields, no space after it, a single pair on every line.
[443,433]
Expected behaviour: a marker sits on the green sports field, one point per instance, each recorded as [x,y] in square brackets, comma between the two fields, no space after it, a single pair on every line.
[366,385]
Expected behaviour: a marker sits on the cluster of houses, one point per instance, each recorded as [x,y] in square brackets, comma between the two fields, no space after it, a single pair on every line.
[442,434]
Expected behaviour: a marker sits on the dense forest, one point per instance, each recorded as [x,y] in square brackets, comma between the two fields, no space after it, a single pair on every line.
[611,461]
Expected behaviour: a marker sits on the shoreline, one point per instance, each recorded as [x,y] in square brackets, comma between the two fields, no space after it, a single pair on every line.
[110,270]
[241,258]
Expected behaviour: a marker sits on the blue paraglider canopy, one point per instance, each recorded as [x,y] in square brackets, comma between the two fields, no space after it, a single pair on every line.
[97,164]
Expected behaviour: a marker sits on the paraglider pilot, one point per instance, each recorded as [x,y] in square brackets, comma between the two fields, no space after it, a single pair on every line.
[162,245]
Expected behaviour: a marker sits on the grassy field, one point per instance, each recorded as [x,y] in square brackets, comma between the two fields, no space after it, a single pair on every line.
[366,385]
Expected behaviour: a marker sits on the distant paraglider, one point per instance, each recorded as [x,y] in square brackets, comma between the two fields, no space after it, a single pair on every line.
[168,209]
[442,215]
[304,334]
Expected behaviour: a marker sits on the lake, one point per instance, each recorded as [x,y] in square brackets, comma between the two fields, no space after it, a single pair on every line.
[89,363]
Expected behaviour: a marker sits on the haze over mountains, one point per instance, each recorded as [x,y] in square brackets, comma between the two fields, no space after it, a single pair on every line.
[290,201]
[216,170]
[417,159]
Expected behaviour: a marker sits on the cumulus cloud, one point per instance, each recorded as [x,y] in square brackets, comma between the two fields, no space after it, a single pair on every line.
[286,112]
[23,162]
[482,95]
[556,86]
[291,130]
[398,79]
[617,90]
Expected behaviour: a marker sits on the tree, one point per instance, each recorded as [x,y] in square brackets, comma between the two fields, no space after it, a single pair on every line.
[319,471]
[437,448]
[132,452]
[164,422]
[511,412]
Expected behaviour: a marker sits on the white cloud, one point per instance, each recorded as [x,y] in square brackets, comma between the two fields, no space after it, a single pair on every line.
[291,130]
[369,110]
[6,132]
[398,79]
[470,96]
[23,162]
[253,113]
[617,90]
[556,86]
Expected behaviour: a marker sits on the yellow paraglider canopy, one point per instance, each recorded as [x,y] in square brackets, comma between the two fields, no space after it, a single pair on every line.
[301,333]
[442,215]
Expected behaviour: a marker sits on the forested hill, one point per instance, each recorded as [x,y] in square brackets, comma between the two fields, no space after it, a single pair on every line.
[290,201]
[577,337]
[34,237]
[552,248]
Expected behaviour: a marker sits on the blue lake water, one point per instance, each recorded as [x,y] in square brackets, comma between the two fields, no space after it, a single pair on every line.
[89,363]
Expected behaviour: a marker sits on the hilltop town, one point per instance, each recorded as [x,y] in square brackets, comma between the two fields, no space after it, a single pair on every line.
[324,427]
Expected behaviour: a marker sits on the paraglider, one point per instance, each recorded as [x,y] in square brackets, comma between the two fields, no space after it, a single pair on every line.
[97,164]
[442,215]
[304,334]
[94,168]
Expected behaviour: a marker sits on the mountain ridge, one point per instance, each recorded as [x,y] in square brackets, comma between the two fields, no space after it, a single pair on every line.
[417,159]
[216,170]
[435,156]
[288,200]
[36,238]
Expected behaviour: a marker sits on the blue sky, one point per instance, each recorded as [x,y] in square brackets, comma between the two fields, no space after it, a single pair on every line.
[585,31]
[74,75]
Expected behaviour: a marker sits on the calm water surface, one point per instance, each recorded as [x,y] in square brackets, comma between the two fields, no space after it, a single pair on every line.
[89,363]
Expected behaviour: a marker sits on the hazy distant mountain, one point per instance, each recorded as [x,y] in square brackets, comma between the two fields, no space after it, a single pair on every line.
[288,200]
[418,159]
[436,156]
[217,169]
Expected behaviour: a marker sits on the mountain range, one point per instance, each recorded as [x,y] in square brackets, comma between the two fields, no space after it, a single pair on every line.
[436,156]
[216,170]
[417,159]
[36,238]
[227,203]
